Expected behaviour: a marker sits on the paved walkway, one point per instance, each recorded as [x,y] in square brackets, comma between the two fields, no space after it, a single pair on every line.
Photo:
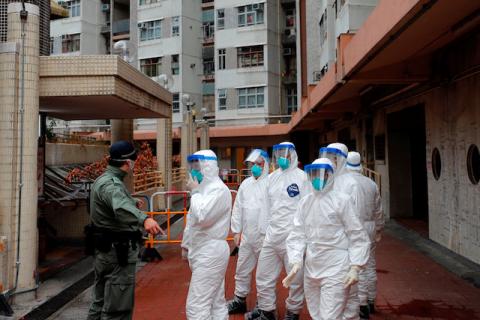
[411,286]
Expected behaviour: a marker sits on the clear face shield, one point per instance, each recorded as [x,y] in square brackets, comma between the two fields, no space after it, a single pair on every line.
[334,155]
[282,156]
[195,166]
[257,162]
[319,175]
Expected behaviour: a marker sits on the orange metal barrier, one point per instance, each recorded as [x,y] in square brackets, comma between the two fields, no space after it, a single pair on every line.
[151,241]
[244,174]
[231,178]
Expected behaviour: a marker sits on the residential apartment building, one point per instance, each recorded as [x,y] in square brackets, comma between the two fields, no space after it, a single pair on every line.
[325,21]
[93,26]
[254,61]
[167,38]
[80,33]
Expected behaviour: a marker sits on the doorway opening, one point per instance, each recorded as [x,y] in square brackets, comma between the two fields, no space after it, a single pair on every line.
[407,168]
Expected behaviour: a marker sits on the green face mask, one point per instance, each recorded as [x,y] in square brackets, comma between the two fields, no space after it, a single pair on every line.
[318,184]
[283,163]
[256,171]
[196,175]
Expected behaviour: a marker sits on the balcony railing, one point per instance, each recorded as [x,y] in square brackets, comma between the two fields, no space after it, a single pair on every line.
[147,181]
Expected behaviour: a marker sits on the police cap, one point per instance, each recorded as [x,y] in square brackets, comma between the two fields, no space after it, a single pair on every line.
[122,150]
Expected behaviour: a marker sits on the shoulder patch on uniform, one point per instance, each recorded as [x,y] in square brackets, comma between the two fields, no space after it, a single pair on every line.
[293,190]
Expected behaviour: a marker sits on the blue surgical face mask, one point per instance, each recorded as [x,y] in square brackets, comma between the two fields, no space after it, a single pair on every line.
[283,163]
[257,170]
[196,174]
[318,184]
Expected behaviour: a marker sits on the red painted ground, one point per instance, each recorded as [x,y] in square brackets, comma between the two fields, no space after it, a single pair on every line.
[411,286]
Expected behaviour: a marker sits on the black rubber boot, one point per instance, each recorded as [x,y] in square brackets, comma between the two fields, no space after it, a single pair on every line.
[237,305]
[364,312]
[371,306]
[258,314]
[291,316]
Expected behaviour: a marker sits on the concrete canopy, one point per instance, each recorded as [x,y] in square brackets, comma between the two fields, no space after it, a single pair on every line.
[99,87]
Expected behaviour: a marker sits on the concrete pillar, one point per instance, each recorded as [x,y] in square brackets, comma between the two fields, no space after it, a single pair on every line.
[164,150]
[185,145]
[8,156]
[122,129]
[28,227]
[193,137]
[204,135]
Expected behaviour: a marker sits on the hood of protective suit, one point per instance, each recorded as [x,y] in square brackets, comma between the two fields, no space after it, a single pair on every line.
[341,160]
[331,178]
[253,157]
[208,168]
[293,155]
[354,162]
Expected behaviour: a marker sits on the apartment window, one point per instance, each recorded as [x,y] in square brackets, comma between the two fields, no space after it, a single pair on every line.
[221,59]
[70,43]
[251,97]
[175,26]
[220,19]
[290,18]
[144,2]
[208,66]
[222,99]
[73,7]
[176,103]
[323,28]
[250,14]
[291,100]
[175,64]
[150,30]
[250,56]
[208,30]
[151,66]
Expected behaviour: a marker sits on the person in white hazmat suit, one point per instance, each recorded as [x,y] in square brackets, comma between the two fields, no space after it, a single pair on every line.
[287,185]
[204,239]
[337,153]
[369,208]
[249,223]
[330,243]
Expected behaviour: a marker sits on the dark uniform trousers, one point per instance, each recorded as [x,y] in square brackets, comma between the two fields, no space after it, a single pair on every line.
[114,287]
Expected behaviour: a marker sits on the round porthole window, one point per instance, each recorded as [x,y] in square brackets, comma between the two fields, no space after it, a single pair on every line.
[473,164]
[436,164]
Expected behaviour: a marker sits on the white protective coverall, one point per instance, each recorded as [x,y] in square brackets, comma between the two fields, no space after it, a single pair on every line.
[286,187]
[328,233]
[369,208]
[250,218]
[205,237]
[344,183]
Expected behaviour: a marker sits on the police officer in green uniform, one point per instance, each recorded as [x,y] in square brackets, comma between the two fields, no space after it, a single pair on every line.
[114,237]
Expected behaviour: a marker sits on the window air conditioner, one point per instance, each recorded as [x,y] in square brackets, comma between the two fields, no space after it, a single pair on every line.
[317,75]
[256,6]
[105,7]
[142,25]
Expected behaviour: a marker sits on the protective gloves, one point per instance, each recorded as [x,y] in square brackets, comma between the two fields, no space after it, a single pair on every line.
[352,276]
[237,237]
[289,278]
[192,184]
[184,254]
